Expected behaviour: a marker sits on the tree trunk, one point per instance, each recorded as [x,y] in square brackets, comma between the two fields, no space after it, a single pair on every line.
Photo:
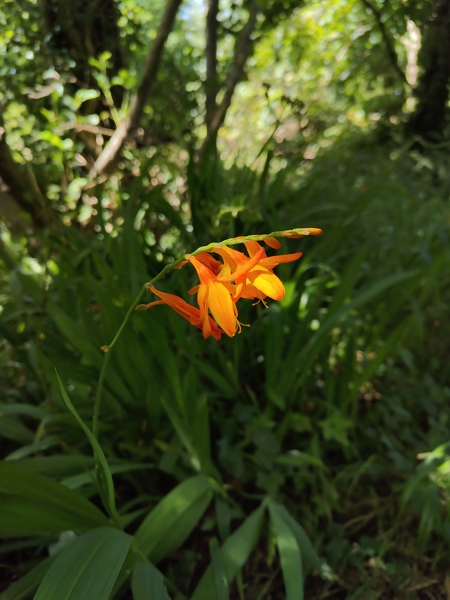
[211,84]
[432,93]
[131,122]
[243,50]
[23,186]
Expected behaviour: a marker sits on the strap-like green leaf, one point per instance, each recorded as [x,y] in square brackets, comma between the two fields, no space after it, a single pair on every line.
[148,583]
[105,477]
[289,551]
[34,504]
[235,553]
[309,555]
[87,568]
[174,517]
[219,570]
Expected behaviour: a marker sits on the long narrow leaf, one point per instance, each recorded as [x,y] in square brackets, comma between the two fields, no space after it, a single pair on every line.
[218,566]
[309,555]
[235,553]
[32,503]
[87,568]
[172,520]
[289,551]
[104,469]
[148,583]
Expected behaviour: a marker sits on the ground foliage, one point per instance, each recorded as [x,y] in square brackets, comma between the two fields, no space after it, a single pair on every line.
[320,431]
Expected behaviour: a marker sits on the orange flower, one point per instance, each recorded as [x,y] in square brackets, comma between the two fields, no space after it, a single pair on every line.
[259,281]
[190,313]
[215,292]
[222,284]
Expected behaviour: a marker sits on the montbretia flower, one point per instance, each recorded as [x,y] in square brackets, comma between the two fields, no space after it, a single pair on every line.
[189,312]
[259,281]
[223,283]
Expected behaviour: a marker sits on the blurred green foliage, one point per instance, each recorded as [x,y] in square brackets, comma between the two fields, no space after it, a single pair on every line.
[224,469]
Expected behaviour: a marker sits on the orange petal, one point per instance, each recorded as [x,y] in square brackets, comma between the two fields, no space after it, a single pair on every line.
[250,292]
[272,261]
[253,248]
[267,283]
[244,268]
[228,259]
[204,273]
[222,308]
[188,312]
[206,259]
[273,243]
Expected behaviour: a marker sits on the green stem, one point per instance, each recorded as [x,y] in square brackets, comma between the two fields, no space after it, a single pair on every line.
[230,242]
[107,350]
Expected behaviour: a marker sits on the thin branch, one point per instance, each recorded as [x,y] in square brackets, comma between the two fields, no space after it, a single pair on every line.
[211,84]
[243,50]
[140,98]
[387,40]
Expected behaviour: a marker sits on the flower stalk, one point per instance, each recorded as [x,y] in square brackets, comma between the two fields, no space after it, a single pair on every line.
[221,286]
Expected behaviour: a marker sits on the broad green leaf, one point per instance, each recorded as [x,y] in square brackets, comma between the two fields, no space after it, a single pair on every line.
[174,517]
[32,503]
[235,553]
[148,583]
[335,427]
[289,551]
[105,477]
[87,568]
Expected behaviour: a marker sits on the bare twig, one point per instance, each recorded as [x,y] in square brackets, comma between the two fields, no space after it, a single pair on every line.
[113,148]
[387,40]
[243,50]
[85,127]
[211,84]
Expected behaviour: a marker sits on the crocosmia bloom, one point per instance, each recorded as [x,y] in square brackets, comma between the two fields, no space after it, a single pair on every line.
[223,282]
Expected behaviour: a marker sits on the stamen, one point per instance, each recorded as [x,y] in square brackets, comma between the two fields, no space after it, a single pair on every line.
[261,300]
